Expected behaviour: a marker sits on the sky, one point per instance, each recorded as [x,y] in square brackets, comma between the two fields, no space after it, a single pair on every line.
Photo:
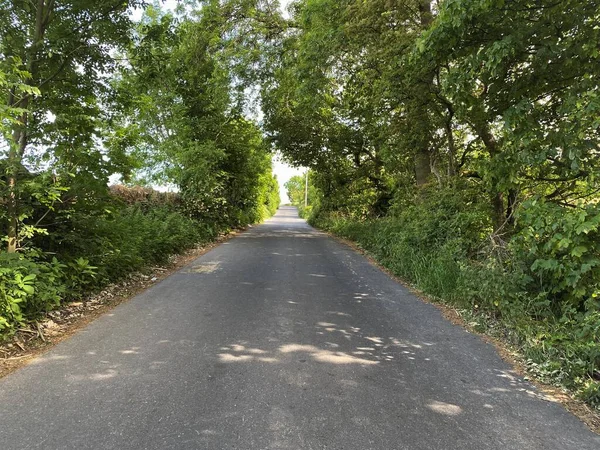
[281,169]
[284,172]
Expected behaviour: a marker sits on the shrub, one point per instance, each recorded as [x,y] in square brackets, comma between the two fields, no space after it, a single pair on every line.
[96,251]
[562,248]
[131,238]
[28,288]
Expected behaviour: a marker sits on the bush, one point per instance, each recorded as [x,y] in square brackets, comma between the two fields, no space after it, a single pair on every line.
[131,238]
[28,288]
[562,248]
[96,251]
[89,244]
[139,195]
[426,243]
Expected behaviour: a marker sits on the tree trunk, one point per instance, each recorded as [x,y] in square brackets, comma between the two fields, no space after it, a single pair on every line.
[451,148]
[19,135]
[423,156]
[498,210]
[15,157]
[12,209]
[499,214]
[422,166]
[510,207]
[425,14]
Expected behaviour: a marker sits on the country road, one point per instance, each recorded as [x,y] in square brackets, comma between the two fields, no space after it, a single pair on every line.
[281,338]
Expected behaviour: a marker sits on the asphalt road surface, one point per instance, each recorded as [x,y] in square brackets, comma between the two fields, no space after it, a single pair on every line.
[281,338]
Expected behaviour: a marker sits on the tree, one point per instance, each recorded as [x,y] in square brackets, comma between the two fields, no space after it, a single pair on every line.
[63,51]
[312,102]
[376,96]
[518,76]
[295,187]
[181,87]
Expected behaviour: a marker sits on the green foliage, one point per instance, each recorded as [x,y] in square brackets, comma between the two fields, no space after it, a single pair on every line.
[39,197]
[425,243]
[80,276]
[316,108]
[295,188]
[188,126]
[268,196]
[114,245]
[13,79]
[129,239]
[28,287]
[54,58]
[563,247]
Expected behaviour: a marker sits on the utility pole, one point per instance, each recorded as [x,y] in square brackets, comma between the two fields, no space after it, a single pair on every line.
[306,190]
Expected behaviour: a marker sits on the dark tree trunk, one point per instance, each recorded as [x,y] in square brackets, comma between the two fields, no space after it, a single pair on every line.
[422,166]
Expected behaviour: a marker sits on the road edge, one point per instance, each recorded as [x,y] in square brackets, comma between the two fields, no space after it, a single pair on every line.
[32,342]
[504,349]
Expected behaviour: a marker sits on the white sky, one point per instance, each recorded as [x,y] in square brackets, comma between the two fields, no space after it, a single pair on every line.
[284,4]
[282,170]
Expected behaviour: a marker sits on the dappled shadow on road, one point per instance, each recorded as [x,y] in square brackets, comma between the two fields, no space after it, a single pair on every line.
[374,350]
[295,254]
[335,341]
[301,352]
[447,409]
[347,350]
[339,341]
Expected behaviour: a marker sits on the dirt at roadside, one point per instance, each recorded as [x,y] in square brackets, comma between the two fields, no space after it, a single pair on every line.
[33,340]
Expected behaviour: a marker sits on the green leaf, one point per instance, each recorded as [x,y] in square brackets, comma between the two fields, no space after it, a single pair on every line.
[29,289]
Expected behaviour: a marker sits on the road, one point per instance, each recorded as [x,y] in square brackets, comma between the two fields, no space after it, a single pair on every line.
[281,338]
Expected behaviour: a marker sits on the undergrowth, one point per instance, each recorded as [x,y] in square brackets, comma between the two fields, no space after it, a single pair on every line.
[96,252]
